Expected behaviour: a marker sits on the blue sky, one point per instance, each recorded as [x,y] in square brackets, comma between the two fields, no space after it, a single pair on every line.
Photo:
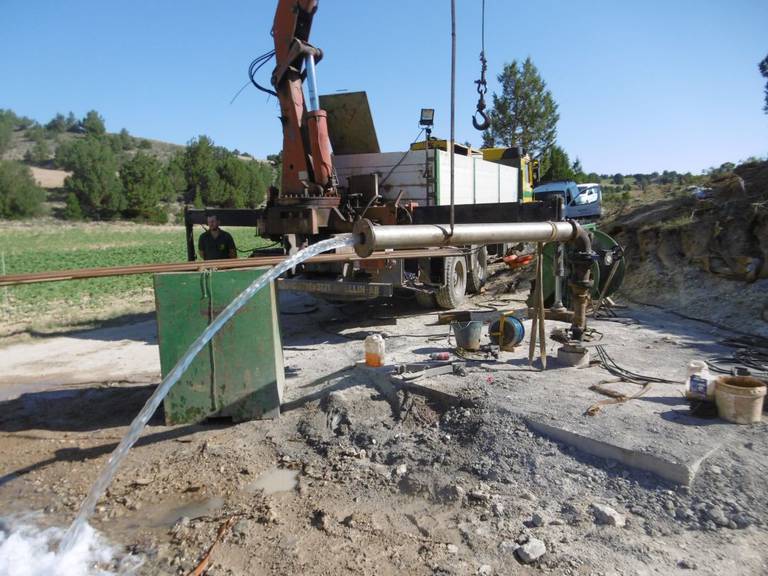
[642,86]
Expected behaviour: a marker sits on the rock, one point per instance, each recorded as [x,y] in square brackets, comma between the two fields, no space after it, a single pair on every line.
[606,515]
[479,497]
[498,509]
[687,565]
[717,516]
[142,481]
[452,549]
[485,570]
[531,551]
[240,528]
[537,520]
[401,470]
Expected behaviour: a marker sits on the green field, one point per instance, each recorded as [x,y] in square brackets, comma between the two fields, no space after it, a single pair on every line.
[52,245]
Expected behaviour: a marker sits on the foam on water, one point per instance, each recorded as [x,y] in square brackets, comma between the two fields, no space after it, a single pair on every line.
[74,534]
[28,550]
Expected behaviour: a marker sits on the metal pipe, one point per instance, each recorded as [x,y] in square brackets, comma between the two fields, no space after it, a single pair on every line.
[314,100]
[453,108]
[374,238]
[87,273]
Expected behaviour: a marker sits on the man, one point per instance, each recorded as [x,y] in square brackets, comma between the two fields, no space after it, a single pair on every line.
[215,243]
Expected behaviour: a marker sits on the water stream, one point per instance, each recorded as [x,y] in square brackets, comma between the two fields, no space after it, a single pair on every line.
[79,527]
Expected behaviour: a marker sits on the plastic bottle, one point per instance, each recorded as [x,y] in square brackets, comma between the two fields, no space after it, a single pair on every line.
[700,383]
[374,350]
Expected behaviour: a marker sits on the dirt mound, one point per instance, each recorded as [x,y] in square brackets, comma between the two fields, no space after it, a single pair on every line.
[691,251]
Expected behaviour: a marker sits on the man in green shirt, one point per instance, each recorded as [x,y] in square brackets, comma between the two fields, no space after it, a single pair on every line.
[215,243]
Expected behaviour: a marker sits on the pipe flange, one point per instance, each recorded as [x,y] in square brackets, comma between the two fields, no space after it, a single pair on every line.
[366,237]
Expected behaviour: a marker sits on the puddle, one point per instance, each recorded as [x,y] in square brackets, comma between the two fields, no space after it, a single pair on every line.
[276,480]
[164,515]
[191,510]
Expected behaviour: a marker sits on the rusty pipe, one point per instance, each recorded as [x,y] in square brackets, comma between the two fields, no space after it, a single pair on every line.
[373,238]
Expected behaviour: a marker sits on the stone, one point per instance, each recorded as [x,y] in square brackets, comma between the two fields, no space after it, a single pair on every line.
[240,528]
[608,516]
[717,516]
[531,551]
[485,570]
[537,520]
[401,470]
[498,509]
[452,549]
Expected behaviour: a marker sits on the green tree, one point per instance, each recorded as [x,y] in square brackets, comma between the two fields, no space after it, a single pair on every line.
[94,178]
[763,66]
[525,113]
[277,167]
[557,165]
[20,196]
[145,184]
[40,152]
[201,160]
[7,125]
[72,209]
[618,179]
[93,124]
[578,172]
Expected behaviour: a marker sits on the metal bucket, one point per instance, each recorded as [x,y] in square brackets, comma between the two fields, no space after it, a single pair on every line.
[468,334]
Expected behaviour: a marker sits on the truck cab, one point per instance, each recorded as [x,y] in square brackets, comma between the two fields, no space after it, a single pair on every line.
[581,201]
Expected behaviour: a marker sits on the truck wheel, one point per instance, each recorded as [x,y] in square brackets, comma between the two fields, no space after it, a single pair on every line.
[426,300]
[477,264]
[451,293]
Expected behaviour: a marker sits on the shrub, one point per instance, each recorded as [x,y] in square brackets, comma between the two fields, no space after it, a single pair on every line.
[93,124]
[94,178]
[72,210]
[145,184]
[20,196]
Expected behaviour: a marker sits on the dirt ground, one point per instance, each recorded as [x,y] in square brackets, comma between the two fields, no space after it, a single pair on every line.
[348,481]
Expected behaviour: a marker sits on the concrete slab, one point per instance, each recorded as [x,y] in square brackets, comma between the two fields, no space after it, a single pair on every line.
[654,432]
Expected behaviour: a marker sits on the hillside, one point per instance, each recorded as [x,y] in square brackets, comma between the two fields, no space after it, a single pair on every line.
[704,255]
[23,142]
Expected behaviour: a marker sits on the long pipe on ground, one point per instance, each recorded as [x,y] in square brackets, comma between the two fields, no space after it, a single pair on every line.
[87,273]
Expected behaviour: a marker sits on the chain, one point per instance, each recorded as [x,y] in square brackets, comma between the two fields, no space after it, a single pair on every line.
[482,85]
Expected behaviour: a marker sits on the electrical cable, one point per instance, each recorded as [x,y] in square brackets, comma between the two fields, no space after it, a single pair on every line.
[391,170]
[611,366]
[255,66]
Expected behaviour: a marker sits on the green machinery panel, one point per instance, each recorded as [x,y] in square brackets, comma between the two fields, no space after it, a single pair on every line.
[240,374]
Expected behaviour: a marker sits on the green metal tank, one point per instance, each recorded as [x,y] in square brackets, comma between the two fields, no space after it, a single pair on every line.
[240,374]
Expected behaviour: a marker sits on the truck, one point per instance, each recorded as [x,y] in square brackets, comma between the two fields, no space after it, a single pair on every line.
[335,175]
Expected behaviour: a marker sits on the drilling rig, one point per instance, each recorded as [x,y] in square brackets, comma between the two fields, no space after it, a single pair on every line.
[335,176]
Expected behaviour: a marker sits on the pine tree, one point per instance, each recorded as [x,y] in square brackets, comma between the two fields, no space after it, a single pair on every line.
[763,66]
[525,113]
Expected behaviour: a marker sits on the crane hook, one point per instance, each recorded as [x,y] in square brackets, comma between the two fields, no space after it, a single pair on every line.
[482,88]
[485,124]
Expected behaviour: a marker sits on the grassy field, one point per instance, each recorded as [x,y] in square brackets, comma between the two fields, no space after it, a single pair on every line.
[52,245]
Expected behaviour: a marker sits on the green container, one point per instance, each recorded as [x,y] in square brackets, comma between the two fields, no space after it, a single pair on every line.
[240,374]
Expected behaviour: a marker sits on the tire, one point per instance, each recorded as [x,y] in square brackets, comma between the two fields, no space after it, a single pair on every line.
[426,300]
[477,269]
[451,293]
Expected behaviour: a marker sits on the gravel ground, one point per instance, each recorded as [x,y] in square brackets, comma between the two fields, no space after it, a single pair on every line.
[349,482]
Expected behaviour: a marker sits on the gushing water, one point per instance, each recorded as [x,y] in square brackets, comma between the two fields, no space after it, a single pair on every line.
[79,526]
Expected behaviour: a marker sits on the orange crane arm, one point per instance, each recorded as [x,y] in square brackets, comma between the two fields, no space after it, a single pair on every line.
[307,161]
